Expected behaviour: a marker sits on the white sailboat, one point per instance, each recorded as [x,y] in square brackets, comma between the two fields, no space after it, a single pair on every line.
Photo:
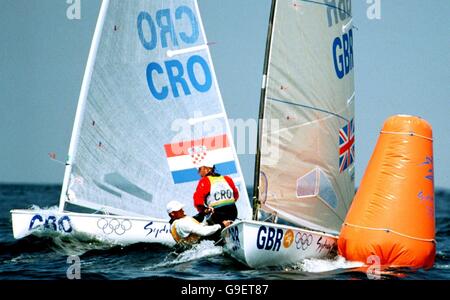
[149,112]
[304,180]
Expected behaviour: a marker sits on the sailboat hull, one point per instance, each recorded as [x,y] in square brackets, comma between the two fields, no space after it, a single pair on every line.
[262,244]
[120,230]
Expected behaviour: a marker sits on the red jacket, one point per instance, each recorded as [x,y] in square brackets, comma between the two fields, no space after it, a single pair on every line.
[204,188]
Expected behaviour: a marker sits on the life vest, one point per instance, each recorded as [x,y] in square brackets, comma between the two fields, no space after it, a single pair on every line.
[189,240]
[220,193]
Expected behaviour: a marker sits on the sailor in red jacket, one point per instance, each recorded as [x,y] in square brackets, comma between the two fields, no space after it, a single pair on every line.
[216,194]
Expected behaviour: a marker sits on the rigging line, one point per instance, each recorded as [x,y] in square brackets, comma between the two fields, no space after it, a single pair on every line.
[218,242]
[407,134]
[300,125]
[171,53]
[390,231]
[309,107]
[328,5]
[306,223]
[323,201]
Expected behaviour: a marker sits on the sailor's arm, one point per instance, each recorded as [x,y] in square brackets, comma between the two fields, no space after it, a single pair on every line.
[202,191]
[203,230]
[232,186]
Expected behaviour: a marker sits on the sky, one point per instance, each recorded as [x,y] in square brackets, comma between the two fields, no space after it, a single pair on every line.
[402,66]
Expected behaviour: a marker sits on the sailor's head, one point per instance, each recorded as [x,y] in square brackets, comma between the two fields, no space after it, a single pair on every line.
[175,209]
[205,169]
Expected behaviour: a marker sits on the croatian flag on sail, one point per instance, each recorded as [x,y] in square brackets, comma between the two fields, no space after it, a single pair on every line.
[346,146]
[186,157]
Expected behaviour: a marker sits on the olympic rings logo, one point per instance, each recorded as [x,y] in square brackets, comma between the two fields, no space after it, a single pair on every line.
[303,240]
[118,226]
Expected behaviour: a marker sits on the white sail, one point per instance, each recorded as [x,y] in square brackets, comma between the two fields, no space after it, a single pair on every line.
[149,113]
[306,162]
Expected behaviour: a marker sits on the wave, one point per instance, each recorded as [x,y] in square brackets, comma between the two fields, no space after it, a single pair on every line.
[204,249]
[314,265]
[63,245]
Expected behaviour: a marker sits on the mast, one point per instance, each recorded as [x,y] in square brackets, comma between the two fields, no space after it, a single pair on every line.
[261,111]
[82,102]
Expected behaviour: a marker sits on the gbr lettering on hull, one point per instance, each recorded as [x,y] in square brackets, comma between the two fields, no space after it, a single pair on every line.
[269,238]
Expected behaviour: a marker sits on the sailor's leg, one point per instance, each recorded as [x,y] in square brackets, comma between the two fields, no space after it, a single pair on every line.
[228,212]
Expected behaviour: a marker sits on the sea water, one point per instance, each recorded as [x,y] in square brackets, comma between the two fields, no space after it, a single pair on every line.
[47,257]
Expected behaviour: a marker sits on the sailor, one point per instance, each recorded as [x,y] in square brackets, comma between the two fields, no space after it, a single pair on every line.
[187,230]
[215,194]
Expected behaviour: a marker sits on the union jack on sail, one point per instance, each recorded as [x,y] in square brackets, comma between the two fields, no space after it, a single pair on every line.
[346,146]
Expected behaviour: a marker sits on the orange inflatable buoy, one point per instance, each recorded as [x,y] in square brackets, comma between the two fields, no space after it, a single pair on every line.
[392,214]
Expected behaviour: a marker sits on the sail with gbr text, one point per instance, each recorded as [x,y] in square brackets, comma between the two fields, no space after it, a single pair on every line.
[305,164]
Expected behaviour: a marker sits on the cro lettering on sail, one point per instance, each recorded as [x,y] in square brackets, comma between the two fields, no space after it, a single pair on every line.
[183,75]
